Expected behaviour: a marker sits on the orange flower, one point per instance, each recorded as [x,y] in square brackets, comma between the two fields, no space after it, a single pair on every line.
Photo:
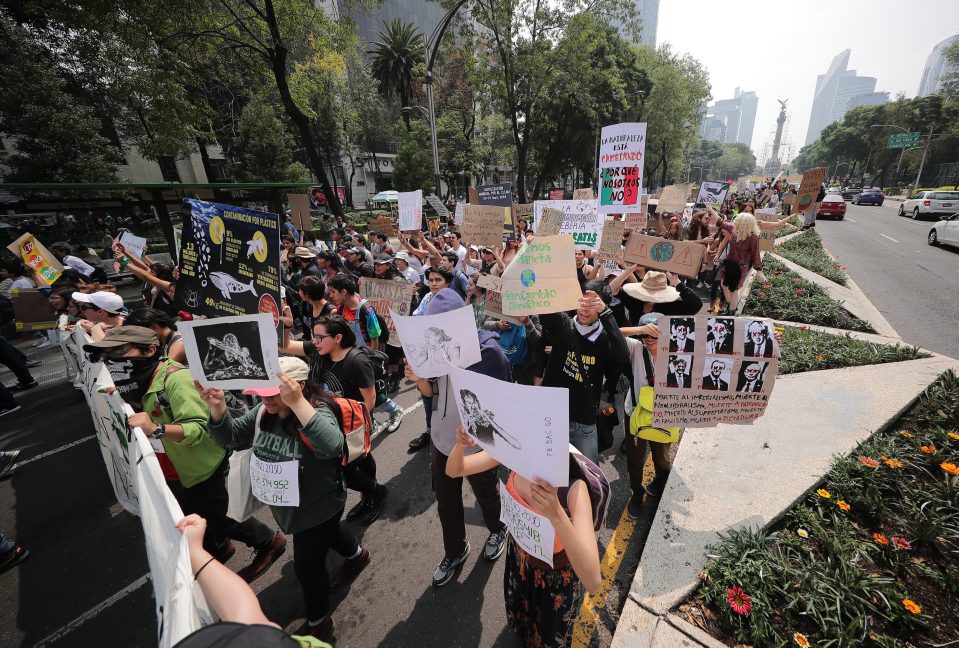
[905,433]
[892,463]
[843,505]
[880,538]
[928,449]
[868,462]
[820,358]
[953,435]
[950,468]
[911,605]
[823,493]
[801,640]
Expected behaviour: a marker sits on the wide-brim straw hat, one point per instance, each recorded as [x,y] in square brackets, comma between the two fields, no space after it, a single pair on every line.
[654,288]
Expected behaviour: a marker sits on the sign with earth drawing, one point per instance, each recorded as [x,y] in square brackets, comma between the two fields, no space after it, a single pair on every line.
[229,261]
[682,257]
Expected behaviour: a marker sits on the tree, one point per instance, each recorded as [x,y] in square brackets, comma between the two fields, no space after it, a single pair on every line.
[263,148]
[950,80]
[413,166]
[736,160]
[398,53]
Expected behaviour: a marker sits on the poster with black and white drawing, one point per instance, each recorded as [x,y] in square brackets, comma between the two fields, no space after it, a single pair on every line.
[229,262]
[232,352]
[712,193]
[432,342]
[532,440]
[711,370]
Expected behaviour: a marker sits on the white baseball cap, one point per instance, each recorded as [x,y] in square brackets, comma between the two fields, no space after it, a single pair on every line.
[108,301]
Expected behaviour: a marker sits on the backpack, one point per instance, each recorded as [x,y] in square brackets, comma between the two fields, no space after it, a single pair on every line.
[597,484]
[384,329]
[357,426]
[514,344]
[381,369]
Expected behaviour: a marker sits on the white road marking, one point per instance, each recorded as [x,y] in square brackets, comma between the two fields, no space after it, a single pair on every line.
[54,451]
[888,237]
[851,220]
[94,611]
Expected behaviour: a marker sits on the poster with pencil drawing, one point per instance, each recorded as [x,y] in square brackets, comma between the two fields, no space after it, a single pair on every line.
[410,208]
[432,342]
[237,352]
[532,440]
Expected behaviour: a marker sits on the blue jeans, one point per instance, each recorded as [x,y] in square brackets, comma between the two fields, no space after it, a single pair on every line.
[390,406]
[6,545]
[583,437]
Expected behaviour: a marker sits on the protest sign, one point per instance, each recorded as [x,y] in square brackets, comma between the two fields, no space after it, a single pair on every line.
[32,310]
[612,243]
[767,237]
[482,225]
[681,257]
[712,193]
[387,296]
[809,188]
[710,370]
[530,530]
[300,211]
[621,155]
[275,483]
[542,278]
[459,213]
[37,258]
[441,211]
[229,261]
[318,198]
[383,224]
[232,352]
[433,343]
[557,194]
[532,440]
[410,205]
[500,195]
[489,282]
[521,209]
[580,219]
[673,198]
[637,220]
[584,194]
[550,222]
[472,196]
[494,307]
[133,244]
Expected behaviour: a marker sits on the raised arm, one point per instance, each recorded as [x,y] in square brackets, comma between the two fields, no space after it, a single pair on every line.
[628,274]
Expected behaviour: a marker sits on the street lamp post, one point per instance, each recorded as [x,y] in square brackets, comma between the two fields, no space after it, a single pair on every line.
[901,151]
[922,162]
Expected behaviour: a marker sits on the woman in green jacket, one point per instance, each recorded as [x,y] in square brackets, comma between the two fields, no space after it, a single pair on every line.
[296,470]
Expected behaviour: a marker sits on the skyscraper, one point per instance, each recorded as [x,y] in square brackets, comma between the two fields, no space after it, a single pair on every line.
[935,68]
[648,11]
[731,120]
[834,89]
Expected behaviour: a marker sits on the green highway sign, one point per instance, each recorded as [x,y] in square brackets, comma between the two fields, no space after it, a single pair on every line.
[902,140]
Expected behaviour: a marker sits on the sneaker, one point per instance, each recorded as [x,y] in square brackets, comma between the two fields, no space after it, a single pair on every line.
[226,552]
[7,460]
[263,557]
[352,567]
[359,509]
[495,544]
[419,442]
[9,410]
[302,628]
[16,556]
[655,487]
[449,566]
[41,344]
[32,364]
[375,506]
[393,386]
[393,424]
[634,506]
[25,386]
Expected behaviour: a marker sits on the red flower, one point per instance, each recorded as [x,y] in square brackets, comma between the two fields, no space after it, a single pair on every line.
[558,602]
[739,601]
[799,291]
[901,543]
[869,462]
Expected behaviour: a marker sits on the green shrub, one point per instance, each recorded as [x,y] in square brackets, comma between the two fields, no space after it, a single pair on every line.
[807,250]
[808,350]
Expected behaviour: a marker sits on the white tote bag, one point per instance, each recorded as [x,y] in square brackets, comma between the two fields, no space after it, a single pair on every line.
[242,503]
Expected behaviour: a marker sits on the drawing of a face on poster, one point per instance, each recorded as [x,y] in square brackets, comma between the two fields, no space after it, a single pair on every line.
[682,334]
[481,423]
[719,335]
[716,373]
[759,340]
[232,352]
[433,342]
[751,375]
[678,371]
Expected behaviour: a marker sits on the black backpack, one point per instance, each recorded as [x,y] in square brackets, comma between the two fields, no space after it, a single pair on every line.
[381,369]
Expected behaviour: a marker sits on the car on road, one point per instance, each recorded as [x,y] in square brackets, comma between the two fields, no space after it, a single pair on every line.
[930,203]
[832,205]
[872,196]
[848,193]
[833,190]
[946,231]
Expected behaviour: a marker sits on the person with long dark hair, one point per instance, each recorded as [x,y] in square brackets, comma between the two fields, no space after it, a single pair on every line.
[171,344]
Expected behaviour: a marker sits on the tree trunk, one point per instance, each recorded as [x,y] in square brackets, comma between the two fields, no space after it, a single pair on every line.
[665,164]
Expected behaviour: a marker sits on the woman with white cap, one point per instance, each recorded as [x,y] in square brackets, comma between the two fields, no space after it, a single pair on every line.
[101,310]
[661,292]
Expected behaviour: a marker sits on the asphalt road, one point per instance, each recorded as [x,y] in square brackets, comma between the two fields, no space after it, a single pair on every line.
[84,583]
[914,285]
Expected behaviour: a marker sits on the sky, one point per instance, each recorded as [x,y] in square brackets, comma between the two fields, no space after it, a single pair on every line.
[776,50]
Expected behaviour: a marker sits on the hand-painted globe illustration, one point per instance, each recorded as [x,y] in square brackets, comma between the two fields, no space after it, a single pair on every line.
[527,278]
[662,251]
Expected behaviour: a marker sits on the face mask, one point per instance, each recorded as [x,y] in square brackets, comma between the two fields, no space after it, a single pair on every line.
[132,376]
[588,331]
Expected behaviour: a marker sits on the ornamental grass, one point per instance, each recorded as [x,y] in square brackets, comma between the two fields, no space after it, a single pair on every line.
[807,251]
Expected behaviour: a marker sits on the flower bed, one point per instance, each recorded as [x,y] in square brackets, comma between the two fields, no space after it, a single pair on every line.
[807,350]
[792,226]
[807,250]
[871,558]
[791,298]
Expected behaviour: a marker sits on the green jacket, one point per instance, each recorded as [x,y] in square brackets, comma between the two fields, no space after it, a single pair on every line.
[322,493]
[196,456]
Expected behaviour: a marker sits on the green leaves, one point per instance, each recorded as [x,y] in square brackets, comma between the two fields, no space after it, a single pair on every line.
[807,250]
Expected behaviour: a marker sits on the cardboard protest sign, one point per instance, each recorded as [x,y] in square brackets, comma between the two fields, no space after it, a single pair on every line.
[438,206]
[494,307]
[532,440]
[557,194]
[612,243]
[499,195]
[681,257]
[712,193]
[300,211]
[580,219]
[472,196]
[36,257]
[767,237]
[521,209]
[710,370]
[622,152]
[133,244]
[410,205]
[542,278]
[489,282]
[637,220]
[584,194]
[232,352]
[673,198]
[482,225]
[532,531]
[229,261]
[809,188]
[32,310]
[434,343]
[459,213]
[318,198]
[383,224]
[550,222]
[386,296]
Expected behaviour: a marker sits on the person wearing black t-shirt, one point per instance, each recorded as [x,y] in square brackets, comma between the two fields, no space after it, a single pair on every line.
[312,291]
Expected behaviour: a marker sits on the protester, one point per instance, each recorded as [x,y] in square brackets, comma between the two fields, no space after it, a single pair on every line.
[809,218]
[304,261]
[522,344]
[743,256]
[296,423]
[171,344]
[662,292]
[159,277]
[169,410]
[356,262]
[102,310]
[16,362]
[406,270]
[18,275]
[62,252]
[361,317]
